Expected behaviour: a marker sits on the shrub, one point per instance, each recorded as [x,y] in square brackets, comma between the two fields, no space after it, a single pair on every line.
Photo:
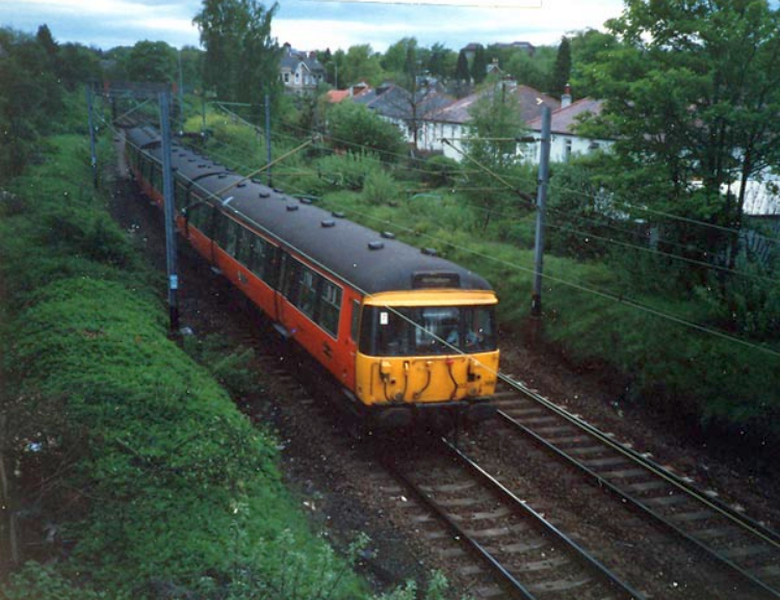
[441,171]
[380,188]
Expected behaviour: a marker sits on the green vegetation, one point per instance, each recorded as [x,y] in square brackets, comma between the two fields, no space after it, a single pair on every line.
[153,479]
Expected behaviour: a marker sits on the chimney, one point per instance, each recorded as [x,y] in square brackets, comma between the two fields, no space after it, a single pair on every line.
[566,97]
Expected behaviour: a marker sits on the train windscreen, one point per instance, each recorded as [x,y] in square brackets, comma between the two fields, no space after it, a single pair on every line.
[427,330]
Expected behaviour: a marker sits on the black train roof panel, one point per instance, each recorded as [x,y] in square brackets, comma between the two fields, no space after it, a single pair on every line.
[362,257]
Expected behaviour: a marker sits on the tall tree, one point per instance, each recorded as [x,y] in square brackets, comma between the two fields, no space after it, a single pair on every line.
[441,62]
[152,61]
[242,59]
[490,145]
[562,69]
[462,74]
[693,100]
[479,65]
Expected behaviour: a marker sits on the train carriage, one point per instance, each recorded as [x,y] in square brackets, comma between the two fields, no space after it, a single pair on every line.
[404,332]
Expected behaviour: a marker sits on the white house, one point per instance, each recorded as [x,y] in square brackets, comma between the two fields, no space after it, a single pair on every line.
[565,143]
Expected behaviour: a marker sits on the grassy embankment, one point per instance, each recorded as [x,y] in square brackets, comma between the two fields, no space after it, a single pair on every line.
[590,312]
[136,474]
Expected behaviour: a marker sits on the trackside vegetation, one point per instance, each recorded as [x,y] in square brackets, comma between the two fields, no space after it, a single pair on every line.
[134,474]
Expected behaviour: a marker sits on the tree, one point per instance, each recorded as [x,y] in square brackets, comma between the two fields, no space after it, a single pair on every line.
[242,59]
[562,69]
[441,62]
[152,61]
[355,127]
[693,101]
[479,65]
[491,149]
[361,63]
[462,74]
[30,99]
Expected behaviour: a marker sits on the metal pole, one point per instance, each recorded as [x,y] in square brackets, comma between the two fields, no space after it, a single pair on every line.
[541,201]
[170,229]
[181,95]
[92,152]
[268,138]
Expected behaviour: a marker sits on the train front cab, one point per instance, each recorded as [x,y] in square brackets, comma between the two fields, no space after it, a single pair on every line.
[427,354]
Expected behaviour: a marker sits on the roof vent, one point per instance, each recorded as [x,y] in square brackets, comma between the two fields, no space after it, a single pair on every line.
[201,166]
[278,191]
[264,194]
[242,184]
[305,200]
[292,207]
[328,223]
[388,235]
[338,215]
[376,245]
[191,160]
[222,175]
[256,180]
[429,251]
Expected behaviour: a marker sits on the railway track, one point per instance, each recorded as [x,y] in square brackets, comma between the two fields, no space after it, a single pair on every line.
[746,548]
[528,556]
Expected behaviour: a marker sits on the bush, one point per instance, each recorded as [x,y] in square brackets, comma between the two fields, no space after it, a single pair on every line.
[349,170]
[355,128]
[380,188]
[441,171]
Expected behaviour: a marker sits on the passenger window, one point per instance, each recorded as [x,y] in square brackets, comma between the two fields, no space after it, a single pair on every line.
[259,257]
[244,250]
[231,242]
[330,308]
[307,291]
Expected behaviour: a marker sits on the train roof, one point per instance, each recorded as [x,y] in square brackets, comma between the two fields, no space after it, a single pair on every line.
[372,262]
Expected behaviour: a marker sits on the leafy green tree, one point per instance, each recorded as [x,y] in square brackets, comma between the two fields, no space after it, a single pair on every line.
[78,64]
[462,74]
[355,127]
[242,59]
[562,69]
[441,62]
[152,61]
[585,47]
[492,150]
[692,97]
[30,98]
[361,63]
[479,65]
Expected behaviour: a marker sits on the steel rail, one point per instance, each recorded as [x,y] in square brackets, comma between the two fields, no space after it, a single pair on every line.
[765,533]
[583,554]
[461,533]
[741,521]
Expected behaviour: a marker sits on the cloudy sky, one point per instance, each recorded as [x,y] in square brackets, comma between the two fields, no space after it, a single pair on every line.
[318,24]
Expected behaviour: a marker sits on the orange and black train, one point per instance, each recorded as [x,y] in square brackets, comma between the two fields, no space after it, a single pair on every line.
[406,335]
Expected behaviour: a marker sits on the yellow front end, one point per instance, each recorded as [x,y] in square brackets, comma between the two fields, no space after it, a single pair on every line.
[425,368]
[422,379]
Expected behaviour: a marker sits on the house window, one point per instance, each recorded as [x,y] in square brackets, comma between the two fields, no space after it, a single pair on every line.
[567,151]
[287,78]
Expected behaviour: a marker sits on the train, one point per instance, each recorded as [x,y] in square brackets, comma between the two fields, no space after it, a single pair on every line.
[404,335]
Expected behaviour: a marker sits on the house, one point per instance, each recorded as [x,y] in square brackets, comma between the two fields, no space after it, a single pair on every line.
[451,122]
[301,72]
[408,111]
[565,142]
[354,91]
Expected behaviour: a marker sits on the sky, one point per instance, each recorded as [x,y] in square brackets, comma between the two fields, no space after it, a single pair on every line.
[318,24]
